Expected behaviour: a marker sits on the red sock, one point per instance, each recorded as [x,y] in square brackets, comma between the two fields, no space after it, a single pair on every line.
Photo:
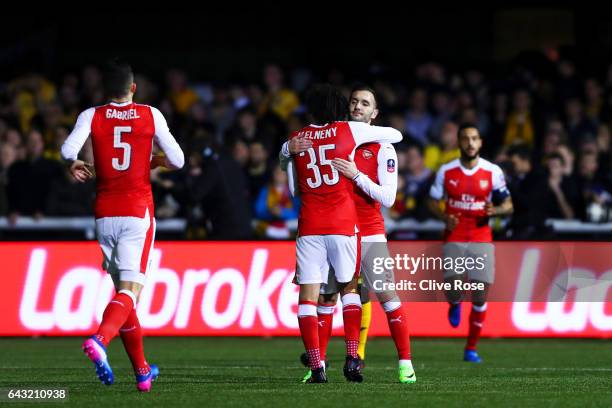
[308,322]
[477,317]
[115,315]
[131,335]
[351,313]
[325,316]
[398,326]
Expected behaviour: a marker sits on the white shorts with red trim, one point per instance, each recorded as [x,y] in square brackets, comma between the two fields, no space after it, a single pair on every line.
[126,244]
[316,253]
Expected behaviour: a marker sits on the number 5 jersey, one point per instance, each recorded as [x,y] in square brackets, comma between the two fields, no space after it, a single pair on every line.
[122,136]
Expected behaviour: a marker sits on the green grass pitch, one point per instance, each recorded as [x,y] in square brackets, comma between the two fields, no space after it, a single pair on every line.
[256,372]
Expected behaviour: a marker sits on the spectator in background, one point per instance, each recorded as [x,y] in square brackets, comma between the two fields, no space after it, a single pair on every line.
[418,119]
[595,190]
[498,118]
[240,153]
[219,190]
[442,113]
[561,195]
[258,170]
[520,128]
[576,122]
[30,180]
[526,187]
[179,92]
[568,84]
[8,156]
[604,140]
[69,198]
[593,95]
[275,206]
[413,190]
[446,150]
[278,100]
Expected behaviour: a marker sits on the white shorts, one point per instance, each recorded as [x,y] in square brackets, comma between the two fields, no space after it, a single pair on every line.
[126,244]
[482,252]
[372,246]
[316,253]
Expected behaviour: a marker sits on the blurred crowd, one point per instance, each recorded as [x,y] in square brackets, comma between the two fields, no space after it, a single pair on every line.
[549,130]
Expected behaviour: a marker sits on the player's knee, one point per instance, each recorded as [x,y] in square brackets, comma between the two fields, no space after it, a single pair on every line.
[328,299]
[130,294]
[388,296]
[132,289]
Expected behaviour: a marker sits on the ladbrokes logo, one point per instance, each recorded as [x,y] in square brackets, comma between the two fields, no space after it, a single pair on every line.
[227,297]
[245,289]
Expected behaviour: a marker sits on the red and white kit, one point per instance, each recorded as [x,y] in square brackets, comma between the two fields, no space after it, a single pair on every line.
[122,137]
[467,191]
[328,220]
[376,184]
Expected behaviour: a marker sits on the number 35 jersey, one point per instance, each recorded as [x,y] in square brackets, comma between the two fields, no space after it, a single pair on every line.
[122,137]
[328,206]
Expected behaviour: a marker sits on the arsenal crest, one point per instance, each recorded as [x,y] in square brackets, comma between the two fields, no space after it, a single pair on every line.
[366,154]
[484,184]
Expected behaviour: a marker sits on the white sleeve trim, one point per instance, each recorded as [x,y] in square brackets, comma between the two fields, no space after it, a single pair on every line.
[75,141]
[365,133]
[437,188]
[386,191]
[167,142]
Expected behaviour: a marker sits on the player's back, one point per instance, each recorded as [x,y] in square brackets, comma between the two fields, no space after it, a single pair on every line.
[122,138]
[327,197]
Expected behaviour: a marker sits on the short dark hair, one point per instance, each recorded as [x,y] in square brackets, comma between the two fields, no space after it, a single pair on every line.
[466,125]
[325,103]
[521,151]
[363,87]
[117,77]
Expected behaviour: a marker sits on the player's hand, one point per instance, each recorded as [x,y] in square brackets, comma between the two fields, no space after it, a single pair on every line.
[81,171]
[490,209]
[346,167]
[299,144]
[451,222]
[158,161]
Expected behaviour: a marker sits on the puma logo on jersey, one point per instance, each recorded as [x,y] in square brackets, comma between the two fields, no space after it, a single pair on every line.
[455,183]
[396,319]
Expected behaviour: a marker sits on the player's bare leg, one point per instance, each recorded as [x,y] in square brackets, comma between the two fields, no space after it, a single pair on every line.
[351,313]
[477,317]
[398,326]
[308,322]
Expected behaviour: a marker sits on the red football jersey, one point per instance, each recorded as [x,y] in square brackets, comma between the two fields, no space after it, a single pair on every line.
[467,191]
[122,139]
[369,217]
[328,205]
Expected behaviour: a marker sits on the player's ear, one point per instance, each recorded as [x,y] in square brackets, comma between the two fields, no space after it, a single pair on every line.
[133,88]
[374,114]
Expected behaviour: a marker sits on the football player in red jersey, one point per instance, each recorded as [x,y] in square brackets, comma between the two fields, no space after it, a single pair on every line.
[122,134]
[374,174]
[473,189]
[328,222]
